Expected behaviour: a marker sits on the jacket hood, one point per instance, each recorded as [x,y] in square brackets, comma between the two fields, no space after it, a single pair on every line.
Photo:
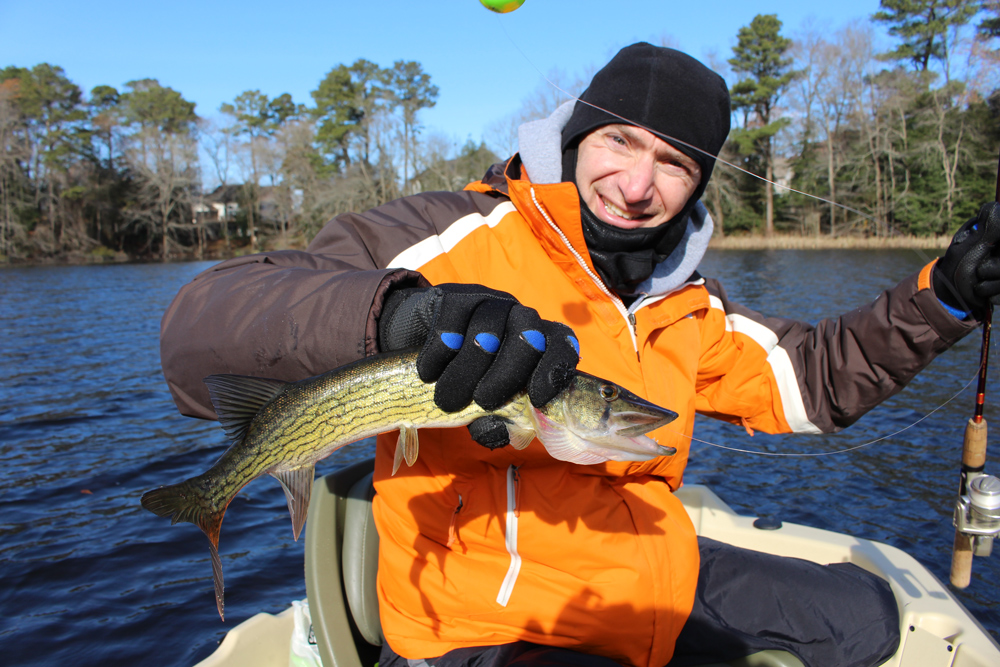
[540,150]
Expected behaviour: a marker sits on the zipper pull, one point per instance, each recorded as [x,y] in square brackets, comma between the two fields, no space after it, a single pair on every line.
[635,334]
[517,491]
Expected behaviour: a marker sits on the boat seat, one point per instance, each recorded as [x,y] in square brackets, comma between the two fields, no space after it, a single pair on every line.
[361,560]
[763,659]
[341,564]
[341,553]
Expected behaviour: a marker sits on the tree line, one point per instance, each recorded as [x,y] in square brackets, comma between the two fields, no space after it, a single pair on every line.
[903,141]
[121,172]
[897,141]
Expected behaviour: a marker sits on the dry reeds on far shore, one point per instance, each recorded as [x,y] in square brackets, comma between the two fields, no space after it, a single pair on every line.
[798,242]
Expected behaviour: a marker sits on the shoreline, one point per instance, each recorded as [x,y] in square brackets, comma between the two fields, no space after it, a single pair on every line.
[732,242]
[797,242]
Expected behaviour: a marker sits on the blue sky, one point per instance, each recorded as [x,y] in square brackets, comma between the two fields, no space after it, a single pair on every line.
[484,64]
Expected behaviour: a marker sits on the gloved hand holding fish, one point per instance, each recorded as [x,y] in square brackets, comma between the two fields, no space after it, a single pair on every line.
[480,345]
[283,429]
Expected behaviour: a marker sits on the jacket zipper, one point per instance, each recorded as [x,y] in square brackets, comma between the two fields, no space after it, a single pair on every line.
[510,538]
[628,314]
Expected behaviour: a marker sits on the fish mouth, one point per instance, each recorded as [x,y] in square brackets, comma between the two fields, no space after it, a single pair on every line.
[642,417]
[641,423]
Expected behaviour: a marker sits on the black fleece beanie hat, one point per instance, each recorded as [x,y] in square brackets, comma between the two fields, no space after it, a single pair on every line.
[662,90]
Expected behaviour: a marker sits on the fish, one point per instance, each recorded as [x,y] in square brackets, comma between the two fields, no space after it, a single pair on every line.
[283,428]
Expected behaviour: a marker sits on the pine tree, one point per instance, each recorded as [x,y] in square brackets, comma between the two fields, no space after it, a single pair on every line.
[923,26]
[759,56]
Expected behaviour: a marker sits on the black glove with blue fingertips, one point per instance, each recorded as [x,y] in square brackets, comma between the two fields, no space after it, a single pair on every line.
[482,345]
[967,278]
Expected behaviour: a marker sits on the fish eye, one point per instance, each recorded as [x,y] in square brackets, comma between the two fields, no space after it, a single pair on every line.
[609,392]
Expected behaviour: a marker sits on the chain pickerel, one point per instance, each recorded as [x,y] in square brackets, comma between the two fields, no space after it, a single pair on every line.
[284,428]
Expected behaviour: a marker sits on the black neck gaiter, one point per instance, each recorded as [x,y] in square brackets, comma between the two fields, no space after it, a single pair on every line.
[626,257]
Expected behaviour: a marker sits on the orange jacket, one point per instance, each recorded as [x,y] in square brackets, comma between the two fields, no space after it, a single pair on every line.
[484,547]
[505,545]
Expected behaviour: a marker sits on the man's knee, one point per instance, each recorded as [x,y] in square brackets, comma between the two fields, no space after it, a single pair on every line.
[749,601]
[871,616]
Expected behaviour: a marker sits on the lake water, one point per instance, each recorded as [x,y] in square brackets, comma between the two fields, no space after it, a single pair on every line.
[87,577]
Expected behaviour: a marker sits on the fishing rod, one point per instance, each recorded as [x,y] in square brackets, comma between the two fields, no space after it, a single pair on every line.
[977,509]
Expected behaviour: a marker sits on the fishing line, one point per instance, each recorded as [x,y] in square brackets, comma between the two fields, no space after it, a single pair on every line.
[838,451]
[668,138]
[861,214]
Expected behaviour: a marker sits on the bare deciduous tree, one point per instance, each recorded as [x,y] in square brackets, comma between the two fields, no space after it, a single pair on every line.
[165,166]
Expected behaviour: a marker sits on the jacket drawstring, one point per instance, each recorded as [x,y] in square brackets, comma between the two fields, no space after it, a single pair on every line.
[510,538]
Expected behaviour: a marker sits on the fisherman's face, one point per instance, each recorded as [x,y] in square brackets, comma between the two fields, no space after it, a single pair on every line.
[630,178]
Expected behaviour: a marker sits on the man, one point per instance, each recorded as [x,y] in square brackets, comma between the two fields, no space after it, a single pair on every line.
[580,252]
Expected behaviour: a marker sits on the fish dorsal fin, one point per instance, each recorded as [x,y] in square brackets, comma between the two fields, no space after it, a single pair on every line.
[563,444]
[238,398]
[520,437]
[297,484]
[407,447]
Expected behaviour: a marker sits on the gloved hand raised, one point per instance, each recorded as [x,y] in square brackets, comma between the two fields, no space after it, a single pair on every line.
[968,276]
[479,345]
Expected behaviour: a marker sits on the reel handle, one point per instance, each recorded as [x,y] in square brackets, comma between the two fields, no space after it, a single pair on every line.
[973,460]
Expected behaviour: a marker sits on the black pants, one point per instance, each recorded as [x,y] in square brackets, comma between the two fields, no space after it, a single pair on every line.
[828,615]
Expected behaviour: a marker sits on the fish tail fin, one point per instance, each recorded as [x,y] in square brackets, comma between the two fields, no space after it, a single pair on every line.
[213,550]
[187,502]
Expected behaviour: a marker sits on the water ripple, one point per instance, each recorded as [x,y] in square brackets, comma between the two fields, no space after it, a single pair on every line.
[87,425]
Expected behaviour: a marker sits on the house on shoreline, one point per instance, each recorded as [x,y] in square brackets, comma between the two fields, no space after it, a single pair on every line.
[219,205]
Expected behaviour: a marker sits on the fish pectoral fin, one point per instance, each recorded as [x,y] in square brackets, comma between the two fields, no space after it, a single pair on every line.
[297,484]
[238,398]
[520,437]
[407,447]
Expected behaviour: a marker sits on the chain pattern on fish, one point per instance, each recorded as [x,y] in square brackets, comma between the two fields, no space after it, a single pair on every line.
[283,429]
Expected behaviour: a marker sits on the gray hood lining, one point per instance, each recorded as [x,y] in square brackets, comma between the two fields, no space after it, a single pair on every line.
[539,144]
